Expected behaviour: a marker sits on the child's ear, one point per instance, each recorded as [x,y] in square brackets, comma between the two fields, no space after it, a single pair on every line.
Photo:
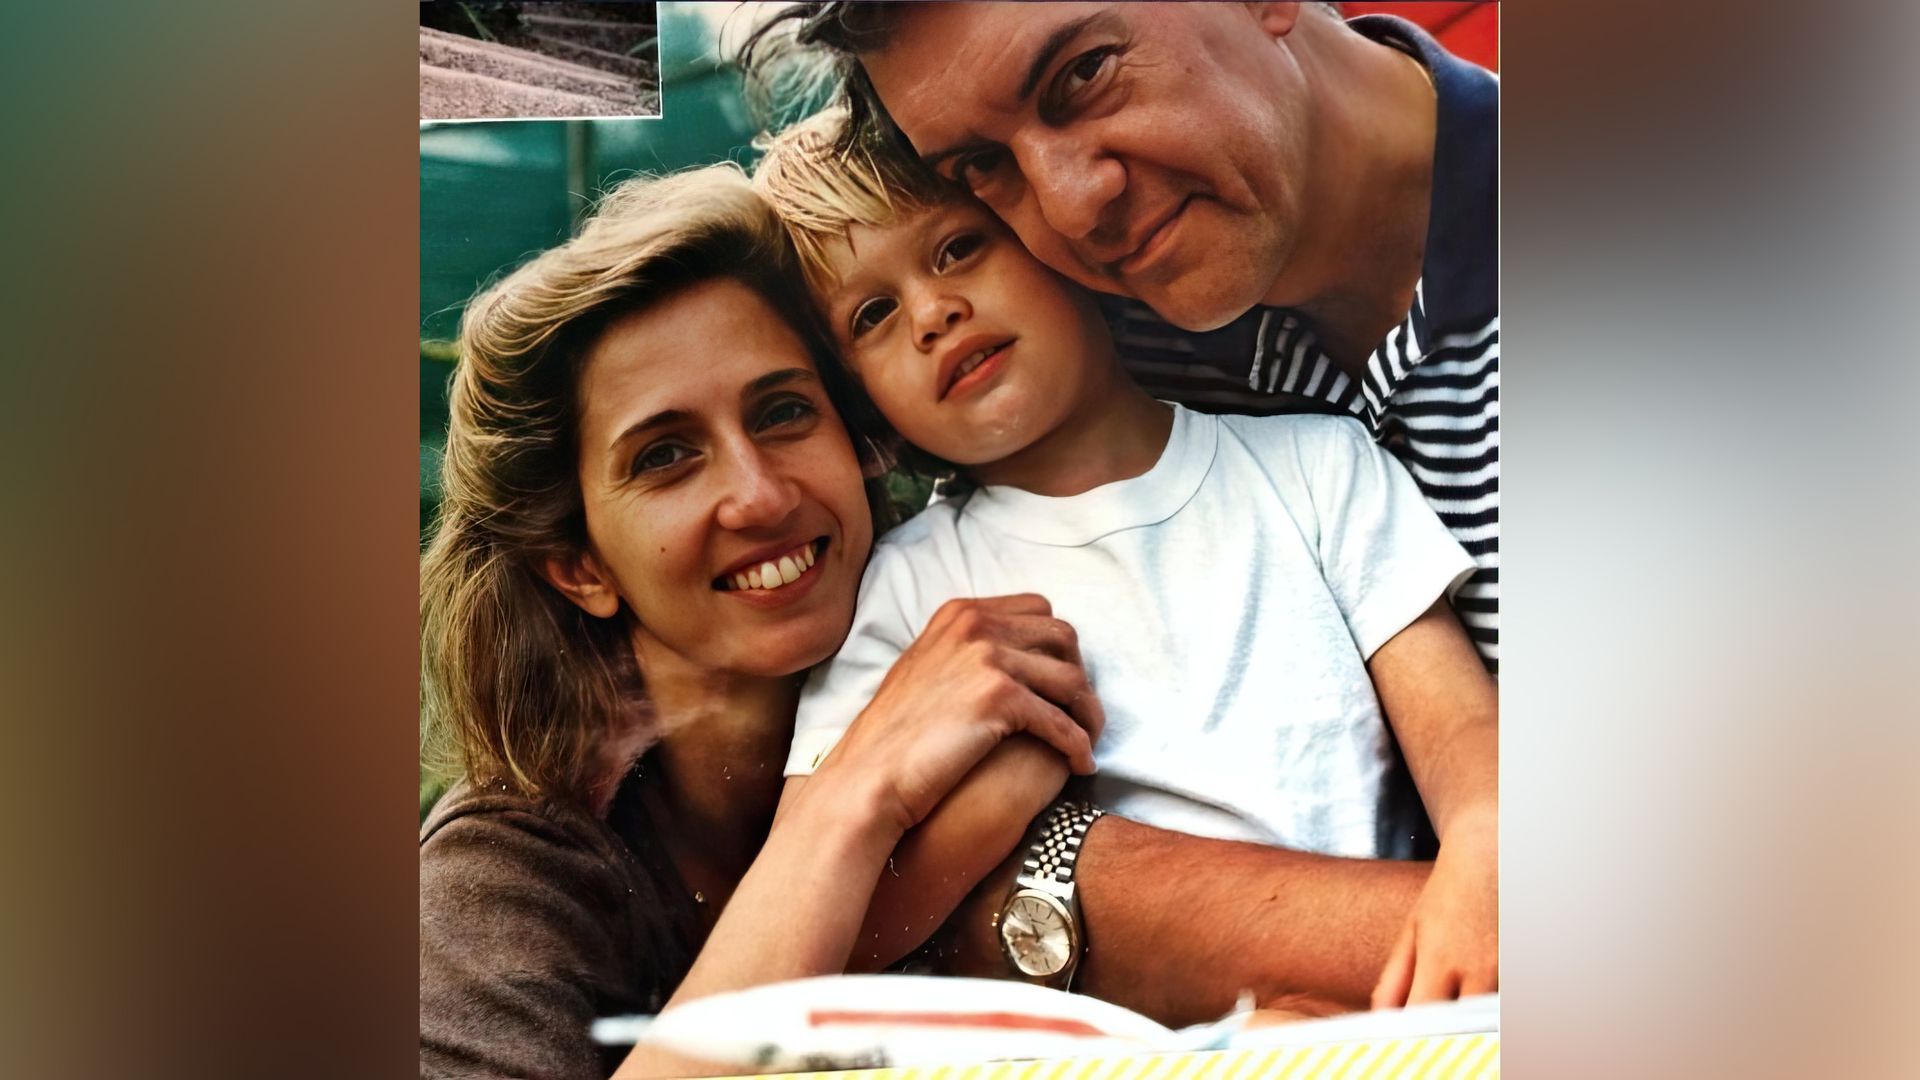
[582,579]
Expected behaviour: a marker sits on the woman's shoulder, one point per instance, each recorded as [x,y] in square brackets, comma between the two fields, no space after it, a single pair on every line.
[535,917]
[495,810]
[484,845]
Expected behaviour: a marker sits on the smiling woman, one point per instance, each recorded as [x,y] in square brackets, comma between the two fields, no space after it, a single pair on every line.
[701,462]
[525,657]
[654,522]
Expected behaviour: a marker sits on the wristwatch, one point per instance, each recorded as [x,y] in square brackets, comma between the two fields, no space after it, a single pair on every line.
[1039,925]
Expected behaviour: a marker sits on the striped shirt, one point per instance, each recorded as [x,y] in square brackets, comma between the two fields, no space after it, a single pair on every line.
[1430,391]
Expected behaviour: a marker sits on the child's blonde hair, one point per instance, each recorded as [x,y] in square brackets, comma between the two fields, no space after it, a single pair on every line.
[822,181]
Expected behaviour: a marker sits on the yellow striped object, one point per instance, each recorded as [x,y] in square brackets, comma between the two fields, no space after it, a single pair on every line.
[1440,1057]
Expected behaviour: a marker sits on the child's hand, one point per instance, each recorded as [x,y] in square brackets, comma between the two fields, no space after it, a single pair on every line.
[982,670]
[1451,945]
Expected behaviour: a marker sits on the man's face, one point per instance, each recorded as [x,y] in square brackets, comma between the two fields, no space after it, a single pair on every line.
[1155,150]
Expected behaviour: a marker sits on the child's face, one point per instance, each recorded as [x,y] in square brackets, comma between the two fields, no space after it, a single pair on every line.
[971,348]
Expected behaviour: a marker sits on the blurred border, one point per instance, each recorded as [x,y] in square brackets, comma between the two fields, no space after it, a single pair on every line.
[209,660]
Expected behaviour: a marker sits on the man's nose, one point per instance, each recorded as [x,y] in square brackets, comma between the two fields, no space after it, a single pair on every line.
[936,311]
[758,494]
[1073,186]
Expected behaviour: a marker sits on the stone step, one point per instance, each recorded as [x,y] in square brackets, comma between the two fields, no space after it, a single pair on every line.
[456,53]
[605,12]
[446,94]
[632,66]
[606,35]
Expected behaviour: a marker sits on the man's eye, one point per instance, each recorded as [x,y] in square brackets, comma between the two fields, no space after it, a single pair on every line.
[957,249]
[789,411]
[660,456]
[1084,70]
[975,170]
[870,314]
[1083,76]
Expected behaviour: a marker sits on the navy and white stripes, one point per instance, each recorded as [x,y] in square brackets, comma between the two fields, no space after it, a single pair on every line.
[1435,404]
[1431,390]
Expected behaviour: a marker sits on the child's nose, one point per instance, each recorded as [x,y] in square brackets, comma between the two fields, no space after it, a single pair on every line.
[939,313]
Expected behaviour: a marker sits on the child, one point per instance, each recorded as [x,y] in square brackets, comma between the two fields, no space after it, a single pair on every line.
[1232,580]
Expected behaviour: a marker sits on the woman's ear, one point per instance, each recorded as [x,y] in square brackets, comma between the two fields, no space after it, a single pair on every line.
[581,579]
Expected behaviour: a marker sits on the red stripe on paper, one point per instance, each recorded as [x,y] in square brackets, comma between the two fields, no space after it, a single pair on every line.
[1007,1020]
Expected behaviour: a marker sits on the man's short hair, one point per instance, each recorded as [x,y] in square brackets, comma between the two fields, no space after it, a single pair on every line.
[841,33]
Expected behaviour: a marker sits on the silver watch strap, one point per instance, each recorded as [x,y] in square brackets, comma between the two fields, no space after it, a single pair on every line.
[1056,848]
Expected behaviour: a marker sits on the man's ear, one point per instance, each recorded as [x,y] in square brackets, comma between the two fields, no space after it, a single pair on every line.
[1276,19]
[581,579]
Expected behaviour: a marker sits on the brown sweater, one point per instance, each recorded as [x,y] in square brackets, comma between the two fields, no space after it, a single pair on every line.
[535,918]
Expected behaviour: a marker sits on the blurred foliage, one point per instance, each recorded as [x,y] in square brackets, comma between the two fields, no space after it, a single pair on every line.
[431,788]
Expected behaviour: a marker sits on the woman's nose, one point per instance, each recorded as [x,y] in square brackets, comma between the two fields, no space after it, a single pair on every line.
[759,495]
[937,312]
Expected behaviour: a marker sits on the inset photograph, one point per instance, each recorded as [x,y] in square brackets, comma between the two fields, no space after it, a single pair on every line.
[497,60]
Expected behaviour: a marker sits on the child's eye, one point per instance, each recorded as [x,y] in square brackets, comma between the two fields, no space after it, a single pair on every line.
[787,411]
[870,314]
[957,248]
[660,456]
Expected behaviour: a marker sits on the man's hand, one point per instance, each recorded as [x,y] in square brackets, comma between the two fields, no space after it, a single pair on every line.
[1450,946]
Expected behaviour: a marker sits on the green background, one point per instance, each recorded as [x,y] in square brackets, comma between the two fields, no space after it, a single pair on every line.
[494,193]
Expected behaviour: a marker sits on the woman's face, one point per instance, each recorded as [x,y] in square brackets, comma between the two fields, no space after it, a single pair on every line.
[724,504]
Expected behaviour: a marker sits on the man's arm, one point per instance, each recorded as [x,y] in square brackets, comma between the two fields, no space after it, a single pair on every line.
[940,860]
[1178,926]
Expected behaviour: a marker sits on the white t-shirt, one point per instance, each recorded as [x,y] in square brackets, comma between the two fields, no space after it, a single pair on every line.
[1226,603]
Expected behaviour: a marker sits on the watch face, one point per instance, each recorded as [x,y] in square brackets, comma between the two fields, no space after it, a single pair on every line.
[1036,933]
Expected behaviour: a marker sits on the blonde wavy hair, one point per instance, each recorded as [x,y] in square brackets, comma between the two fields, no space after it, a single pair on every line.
[519,686]
[822,179]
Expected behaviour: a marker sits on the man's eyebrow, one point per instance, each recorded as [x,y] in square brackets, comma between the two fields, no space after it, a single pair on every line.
[1050,48]
[1049,51]
[935,160]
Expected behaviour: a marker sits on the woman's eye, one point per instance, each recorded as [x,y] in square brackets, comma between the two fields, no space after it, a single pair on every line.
[660,456]
[790,411]
[870,314]
[957,249]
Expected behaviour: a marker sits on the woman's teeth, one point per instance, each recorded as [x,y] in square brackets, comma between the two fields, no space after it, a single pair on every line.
[777,572]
